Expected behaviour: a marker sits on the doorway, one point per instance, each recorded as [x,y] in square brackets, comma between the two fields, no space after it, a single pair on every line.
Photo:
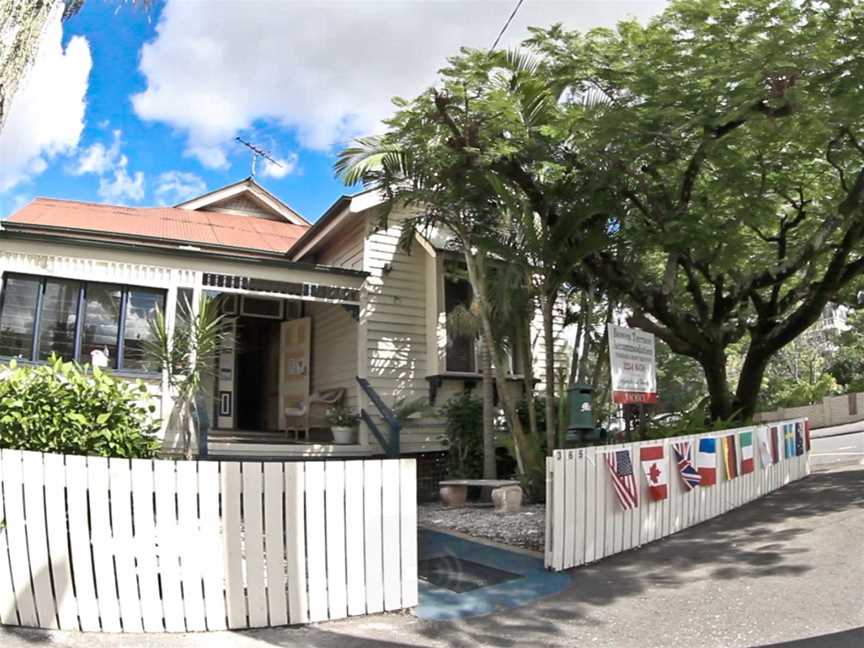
[257,373]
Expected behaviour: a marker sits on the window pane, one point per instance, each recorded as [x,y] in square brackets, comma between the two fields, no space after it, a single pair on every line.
[57,323]
[460,348]
[140,311]
[101,321]
[18,316]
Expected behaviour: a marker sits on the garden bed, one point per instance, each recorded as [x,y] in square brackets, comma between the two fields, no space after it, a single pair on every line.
[525,529]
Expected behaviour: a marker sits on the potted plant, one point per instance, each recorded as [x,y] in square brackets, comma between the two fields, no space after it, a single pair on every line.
[343,424]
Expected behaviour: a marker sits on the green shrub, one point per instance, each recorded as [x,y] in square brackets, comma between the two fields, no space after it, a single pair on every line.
[60,407]
[464,416]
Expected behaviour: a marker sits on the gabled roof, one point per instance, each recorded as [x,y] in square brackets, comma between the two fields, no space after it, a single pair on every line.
[169,225]
[224,199]
[341,211]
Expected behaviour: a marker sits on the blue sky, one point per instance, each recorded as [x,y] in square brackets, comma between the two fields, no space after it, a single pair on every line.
[141,107]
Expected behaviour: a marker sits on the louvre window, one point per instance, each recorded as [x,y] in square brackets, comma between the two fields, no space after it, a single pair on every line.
[18,316]
[43,316]
[58,318]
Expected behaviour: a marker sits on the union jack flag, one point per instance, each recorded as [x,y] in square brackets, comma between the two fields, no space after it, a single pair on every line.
[621,470]
[684,457]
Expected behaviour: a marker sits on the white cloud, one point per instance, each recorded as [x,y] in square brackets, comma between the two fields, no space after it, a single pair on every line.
[328,69]
[47,114]
[119,185]
[97,158]
[110,164]
[174,187]
[285,166]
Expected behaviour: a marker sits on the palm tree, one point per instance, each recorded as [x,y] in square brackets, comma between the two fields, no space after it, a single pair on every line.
[465,322]
[188,356]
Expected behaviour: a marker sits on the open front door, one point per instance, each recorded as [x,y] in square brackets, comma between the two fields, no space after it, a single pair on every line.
[295,344]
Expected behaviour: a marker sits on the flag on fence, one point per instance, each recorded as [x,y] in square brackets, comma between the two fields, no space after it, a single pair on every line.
[730,456]
[746,452]
[706,461]
[789,439]
[654,466]
[764,446]
[688,472]
[775,445]
[807,434]
[620,466]
[799,439]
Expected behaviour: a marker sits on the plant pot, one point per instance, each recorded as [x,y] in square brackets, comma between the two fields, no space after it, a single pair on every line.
[343,434]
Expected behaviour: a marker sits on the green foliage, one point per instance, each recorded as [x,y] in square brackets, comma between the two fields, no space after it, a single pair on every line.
[188,356]
[794,393]
[695,422]
[847,366]
[61,407]
[464,415]
[680,381]
[405,408]
[340,416]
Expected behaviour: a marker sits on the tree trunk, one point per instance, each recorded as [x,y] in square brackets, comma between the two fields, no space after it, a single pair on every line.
[547,307]
[720,397]
[528,458]
[489,468]
[528,374]
[750,382]
[21,30]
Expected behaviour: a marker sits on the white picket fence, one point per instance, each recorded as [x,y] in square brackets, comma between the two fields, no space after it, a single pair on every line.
[585,522]
[115,545]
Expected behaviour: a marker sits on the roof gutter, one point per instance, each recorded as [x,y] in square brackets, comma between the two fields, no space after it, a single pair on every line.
[173,248]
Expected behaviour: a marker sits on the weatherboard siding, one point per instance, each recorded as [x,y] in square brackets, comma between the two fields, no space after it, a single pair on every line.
[346,250]
[334,344]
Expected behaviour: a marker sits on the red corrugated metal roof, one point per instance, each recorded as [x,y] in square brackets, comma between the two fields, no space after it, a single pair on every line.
[166,223]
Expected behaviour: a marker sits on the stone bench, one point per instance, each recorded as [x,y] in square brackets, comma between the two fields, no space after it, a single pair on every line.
[506,493]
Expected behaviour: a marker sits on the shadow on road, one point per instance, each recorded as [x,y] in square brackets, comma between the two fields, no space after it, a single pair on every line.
[743,544]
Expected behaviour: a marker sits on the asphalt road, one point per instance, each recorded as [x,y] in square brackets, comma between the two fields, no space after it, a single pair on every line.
[842,450]
[786,570]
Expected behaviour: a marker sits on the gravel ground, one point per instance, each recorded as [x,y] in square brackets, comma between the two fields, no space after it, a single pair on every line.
[525,529]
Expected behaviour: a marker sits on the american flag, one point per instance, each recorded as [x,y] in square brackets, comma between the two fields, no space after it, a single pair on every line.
[688,471]
[621,469]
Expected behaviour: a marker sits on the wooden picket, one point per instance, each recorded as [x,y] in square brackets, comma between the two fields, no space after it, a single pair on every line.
[116,545]
[585,521]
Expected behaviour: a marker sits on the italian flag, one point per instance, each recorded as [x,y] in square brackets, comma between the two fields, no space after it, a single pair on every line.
[746,452]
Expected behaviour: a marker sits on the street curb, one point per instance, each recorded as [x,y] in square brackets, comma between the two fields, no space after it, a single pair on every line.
[813,437]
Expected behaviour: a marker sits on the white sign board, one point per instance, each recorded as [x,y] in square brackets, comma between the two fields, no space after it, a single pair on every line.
[633,366]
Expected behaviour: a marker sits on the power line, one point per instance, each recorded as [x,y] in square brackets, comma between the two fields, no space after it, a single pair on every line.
[506,25]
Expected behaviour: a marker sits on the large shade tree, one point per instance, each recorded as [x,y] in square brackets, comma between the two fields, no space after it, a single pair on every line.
[733,143]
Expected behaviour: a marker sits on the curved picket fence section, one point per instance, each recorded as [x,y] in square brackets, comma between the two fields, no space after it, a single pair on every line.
[116,545]
[586,522]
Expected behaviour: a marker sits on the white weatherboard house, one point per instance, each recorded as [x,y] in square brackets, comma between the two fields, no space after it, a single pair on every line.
[333,309]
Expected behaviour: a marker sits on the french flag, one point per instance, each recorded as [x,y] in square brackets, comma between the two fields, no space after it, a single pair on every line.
[706,461]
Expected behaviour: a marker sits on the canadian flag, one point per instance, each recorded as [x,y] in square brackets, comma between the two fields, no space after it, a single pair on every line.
[654,467]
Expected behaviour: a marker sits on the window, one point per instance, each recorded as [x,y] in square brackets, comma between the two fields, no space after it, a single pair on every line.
[58,319]
[141,308]
[42,316]
[101,321]
[460,347]
[18,316]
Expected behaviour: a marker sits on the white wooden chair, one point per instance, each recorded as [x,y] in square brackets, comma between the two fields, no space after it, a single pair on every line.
[300,414]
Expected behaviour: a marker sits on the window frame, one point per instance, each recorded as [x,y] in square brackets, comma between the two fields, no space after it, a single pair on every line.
[125,290]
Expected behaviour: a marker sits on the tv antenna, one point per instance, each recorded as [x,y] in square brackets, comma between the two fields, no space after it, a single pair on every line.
[257,152]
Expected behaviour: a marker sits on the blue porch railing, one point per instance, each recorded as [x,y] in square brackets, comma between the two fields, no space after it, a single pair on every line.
[390,442]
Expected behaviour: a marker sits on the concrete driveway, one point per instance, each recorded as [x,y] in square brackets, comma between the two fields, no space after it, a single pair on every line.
[787,570]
